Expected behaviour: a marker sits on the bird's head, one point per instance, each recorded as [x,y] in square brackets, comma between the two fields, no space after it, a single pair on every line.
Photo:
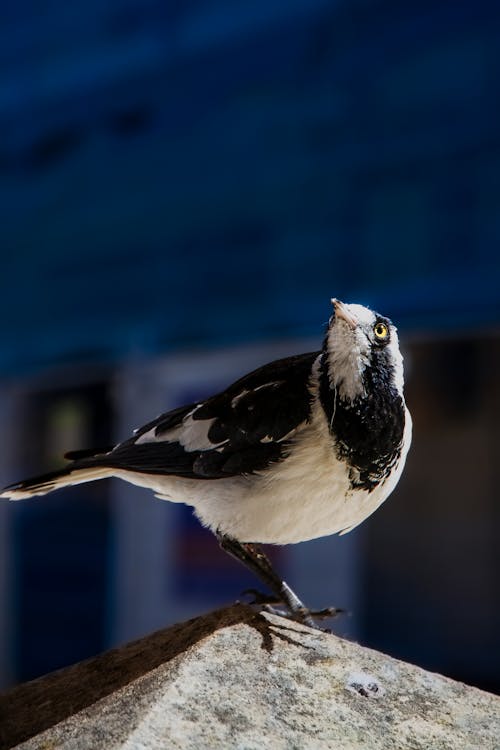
[362,351]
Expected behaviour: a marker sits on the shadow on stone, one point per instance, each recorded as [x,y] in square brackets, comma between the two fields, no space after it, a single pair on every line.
[238,677]
[35,706]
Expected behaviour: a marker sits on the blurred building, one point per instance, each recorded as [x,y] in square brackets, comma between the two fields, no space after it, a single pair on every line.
[184,186]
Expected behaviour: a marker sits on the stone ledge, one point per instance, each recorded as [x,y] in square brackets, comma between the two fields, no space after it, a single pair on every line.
[237,678]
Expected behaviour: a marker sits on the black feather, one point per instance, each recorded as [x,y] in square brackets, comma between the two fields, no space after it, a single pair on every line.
[268,403]
[86,453]
[369,430]
[167,421]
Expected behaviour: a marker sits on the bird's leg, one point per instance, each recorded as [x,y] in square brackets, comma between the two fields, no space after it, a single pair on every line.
[254,559]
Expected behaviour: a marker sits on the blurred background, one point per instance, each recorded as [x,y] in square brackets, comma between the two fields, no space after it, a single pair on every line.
[184,185]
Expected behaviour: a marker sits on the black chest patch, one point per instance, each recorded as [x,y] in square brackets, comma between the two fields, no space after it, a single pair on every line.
[368,431]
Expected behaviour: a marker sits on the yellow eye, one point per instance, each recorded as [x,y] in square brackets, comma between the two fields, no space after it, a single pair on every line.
[381,331]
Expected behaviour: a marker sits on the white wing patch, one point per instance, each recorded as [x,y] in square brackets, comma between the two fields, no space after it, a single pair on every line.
[236,399]
[191,433]
[288,436]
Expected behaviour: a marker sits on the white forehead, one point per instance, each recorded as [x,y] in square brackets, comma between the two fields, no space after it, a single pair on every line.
[349,352]
[361,313]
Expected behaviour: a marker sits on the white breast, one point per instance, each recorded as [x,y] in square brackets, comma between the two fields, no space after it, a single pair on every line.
[307,495]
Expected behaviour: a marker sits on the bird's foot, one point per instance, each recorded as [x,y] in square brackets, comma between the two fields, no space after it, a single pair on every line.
[305,616]
[308,617]
[260,598]
[302,614]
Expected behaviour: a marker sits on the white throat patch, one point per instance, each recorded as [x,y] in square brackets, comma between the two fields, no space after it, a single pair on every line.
[349,353]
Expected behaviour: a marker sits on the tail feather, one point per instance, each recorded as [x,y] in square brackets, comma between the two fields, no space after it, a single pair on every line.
[87,453]
[41,485]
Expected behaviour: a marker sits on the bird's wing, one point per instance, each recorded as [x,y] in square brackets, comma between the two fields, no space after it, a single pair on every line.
[239,431]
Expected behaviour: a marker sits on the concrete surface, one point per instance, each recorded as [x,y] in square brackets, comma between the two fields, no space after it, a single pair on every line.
[237,678]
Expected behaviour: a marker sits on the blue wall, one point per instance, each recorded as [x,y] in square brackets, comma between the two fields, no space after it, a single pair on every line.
[207,172]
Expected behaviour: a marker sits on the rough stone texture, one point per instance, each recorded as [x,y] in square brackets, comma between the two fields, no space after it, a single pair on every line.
[239,679]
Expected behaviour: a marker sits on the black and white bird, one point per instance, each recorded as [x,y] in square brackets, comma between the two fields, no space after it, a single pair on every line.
[300,448]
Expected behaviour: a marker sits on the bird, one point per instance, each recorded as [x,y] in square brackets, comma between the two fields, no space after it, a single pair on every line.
[300,448]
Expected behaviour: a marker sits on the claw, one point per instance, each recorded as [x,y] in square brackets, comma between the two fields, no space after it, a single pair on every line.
[308,616]
[303,615]
[261,598]
[276,611]
[322,614]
